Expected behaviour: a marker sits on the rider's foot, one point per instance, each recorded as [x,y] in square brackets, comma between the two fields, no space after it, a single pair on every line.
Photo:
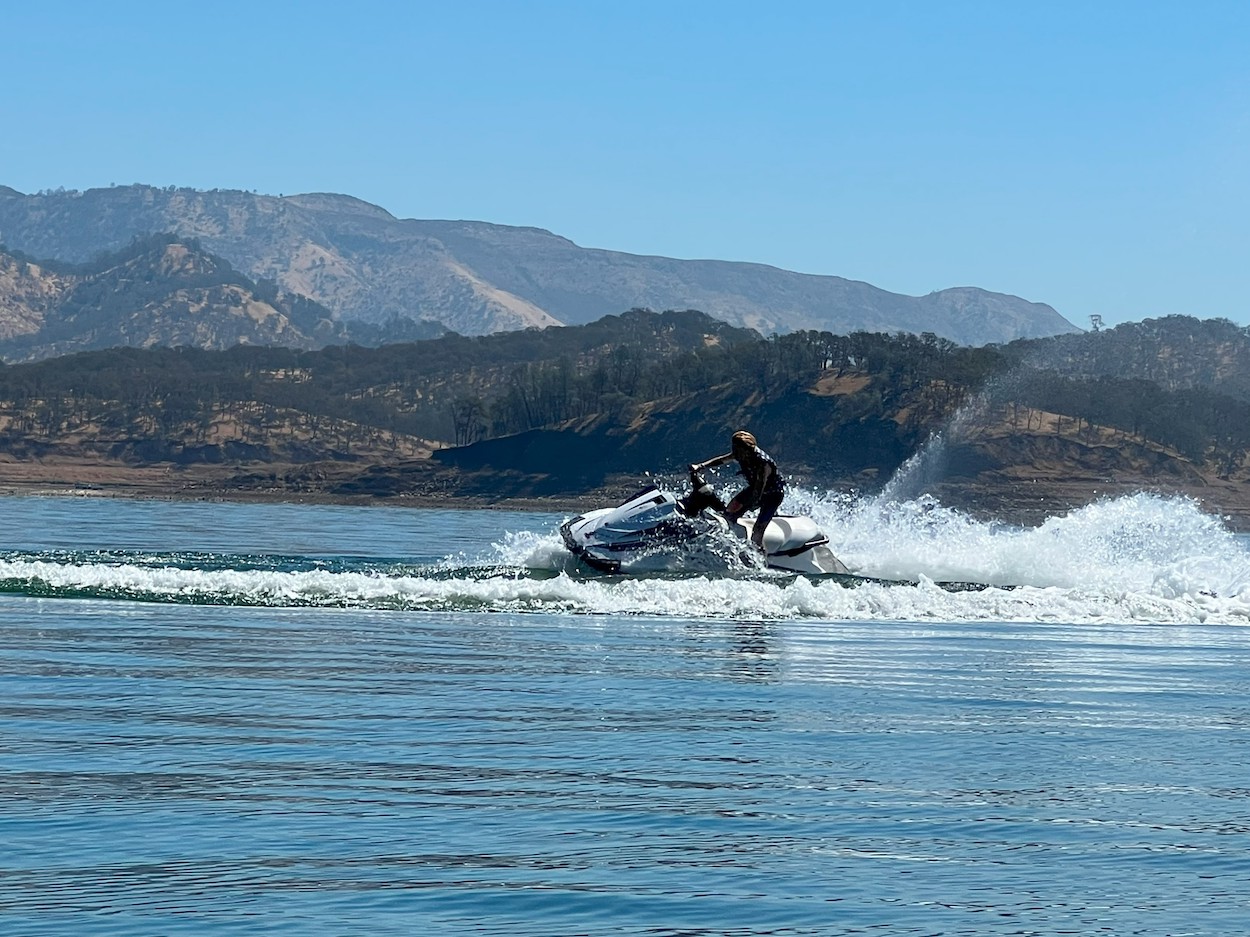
[753,555]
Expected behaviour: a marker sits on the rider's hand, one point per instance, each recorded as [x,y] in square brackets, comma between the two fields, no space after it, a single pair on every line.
[694,468]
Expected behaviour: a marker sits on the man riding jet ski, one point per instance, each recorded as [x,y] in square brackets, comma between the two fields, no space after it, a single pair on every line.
[765,488]
[655,528]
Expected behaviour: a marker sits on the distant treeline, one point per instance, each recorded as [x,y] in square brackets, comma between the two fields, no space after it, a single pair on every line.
[1175,352]
[461,390]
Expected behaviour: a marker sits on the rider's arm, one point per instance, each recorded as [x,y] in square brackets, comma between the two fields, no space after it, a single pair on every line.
[712,463]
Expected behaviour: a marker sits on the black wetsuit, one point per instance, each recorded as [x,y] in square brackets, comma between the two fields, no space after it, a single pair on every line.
[765,490]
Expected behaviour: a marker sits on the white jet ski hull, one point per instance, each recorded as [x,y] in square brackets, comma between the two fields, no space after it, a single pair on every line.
[652,525]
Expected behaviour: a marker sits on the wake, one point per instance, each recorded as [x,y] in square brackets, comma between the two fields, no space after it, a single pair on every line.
[1141,558]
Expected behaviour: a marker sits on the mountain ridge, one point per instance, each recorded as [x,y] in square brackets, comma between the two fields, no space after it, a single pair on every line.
[165,291]
[476,277]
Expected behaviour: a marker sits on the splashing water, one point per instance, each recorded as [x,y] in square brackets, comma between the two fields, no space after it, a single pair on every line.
[1141,542]
[1138,542]
[1141,558]
[928,464]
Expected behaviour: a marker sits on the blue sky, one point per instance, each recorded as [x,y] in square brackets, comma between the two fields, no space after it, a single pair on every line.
[1092,155]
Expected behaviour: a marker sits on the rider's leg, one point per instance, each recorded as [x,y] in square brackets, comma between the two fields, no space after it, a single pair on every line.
[769,504]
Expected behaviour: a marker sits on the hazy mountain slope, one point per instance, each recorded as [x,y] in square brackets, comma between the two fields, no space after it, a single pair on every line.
[568,280]
[156,292]
[474,277]
[27,292]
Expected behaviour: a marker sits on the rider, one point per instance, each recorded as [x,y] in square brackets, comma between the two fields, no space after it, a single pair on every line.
[765,487]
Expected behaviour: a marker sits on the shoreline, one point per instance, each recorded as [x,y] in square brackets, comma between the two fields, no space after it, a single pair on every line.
[158,483]
[1023,501]
[1011,501]
[244,496]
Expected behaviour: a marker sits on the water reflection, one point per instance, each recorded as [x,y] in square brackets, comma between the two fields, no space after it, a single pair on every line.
[754,655]
[542,773]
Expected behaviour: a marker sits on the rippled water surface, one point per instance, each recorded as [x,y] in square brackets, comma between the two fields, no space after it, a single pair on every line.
[305,720]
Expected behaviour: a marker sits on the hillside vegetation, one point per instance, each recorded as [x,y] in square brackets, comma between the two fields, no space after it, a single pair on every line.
[561,411]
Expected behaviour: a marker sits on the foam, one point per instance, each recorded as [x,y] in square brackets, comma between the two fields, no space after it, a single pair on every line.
[1140,558]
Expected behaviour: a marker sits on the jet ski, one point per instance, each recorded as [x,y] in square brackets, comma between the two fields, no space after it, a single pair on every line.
[655,528]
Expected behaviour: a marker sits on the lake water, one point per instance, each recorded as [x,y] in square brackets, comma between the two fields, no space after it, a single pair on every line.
[285,719]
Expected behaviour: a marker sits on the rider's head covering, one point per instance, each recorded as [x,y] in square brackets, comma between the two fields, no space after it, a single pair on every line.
[742,439]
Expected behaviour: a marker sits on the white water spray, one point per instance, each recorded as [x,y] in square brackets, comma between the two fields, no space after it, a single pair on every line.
[928,464]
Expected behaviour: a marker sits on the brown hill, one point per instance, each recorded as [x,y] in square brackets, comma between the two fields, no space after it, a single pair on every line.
[158,291]
[27,293]
[577,414]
